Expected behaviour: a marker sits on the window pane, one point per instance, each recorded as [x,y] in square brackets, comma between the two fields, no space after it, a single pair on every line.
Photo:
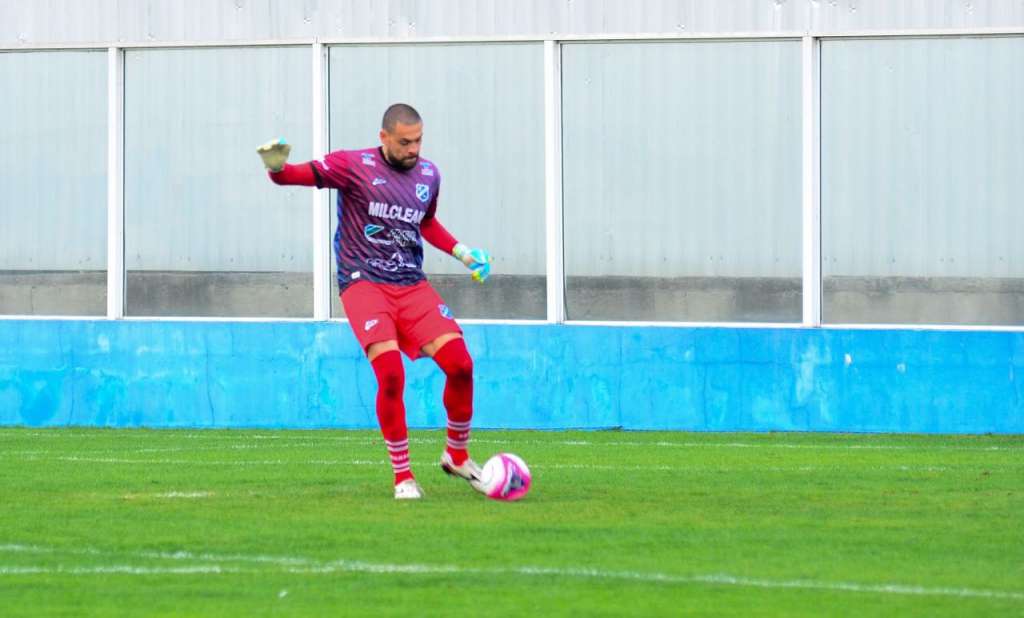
[207,233]
[53,165]
[682,181]
[483,115]
[922,159]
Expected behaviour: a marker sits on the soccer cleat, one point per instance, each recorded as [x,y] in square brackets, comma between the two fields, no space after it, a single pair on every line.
[408,489]
[468,471]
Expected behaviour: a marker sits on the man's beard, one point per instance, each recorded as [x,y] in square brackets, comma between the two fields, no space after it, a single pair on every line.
[405,164]
[408,164]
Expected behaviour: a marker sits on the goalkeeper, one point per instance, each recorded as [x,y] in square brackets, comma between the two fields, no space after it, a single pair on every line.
[390,200]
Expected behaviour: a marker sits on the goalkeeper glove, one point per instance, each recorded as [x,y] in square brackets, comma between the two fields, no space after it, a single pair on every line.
[275,154]
[477,260]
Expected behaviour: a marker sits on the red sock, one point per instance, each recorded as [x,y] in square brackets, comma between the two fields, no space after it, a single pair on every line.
[454,360]
[391,411]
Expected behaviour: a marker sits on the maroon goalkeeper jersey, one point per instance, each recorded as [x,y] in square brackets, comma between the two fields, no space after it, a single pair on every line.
[380,208]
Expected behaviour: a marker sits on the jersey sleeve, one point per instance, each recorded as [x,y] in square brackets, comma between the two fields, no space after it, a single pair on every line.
[301,174]
[436,234]
[333,171]
[431,229]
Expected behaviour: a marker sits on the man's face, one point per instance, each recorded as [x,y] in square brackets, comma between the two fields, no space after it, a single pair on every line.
[402,145]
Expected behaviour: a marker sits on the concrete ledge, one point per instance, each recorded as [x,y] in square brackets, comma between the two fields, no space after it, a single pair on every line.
[312,374]
[847,300]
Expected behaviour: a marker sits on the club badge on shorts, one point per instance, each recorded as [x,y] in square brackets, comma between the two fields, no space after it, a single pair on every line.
[445,312]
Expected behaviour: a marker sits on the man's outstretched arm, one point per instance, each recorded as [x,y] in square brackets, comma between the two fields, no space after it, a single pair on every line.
[275,157]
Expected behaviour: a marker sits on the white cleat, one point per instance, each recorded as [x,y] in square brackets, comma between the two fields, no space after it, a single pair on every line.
[408,489]
[468,471]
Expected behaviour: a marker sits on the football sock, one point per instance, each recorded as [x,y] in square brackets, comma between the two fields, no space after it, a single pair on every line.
[391,411]
[453,358]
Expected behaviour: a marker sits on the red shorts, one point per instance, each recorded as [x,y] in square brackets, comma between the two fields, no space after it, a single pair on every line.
[414,315]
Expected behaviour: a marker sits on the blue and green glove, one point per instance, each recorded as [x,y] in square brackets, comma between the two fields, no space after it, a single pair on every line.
[477,260]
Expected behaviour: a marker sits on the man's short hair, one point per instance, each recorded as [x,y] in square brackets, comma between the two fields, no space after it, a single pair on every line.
[399,112]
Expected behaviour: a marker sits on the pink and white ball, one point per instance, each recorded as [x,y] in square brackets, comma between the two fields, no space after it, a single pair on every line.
[505,477]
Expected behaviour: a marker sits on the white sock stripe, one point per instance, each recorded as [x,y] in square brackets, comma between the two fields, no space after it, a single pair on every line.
[397,443]
[398,449]
[459,444]
[459,426]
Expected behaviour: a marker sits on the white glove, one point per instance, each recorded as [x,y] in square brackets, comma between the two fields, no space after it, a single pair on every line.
[275,154]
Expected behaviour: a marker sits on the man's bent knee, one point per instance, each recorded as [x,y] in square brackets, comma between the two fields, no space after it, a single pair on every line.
[376,349]
[431,348]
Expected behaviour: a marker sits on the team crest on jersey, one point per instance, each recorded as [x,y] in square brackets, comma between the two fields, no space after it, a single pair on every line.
[368,159]
[423,192]
[445,311]
[426,170]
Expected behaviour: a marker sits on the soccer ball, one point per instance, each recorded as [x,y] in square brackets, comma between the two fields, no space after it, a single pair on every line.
[505,477]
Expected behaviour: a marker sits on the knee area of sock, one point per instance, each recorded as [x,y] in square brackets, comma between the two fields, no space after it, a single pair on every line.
[461,369]
[391,384]
[455,361]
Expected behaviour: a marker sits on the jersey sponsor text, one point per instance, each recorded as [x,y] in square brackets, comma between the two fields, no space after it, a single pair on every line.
[394,211]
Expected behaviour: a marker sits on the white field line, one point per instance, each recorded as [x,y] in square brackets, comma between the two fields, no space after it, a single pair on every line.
[201,462]
[636,443]
[378,442]
[302,565]
[184,494]
[830,469]
[119,569]
[381,462]
[172,495]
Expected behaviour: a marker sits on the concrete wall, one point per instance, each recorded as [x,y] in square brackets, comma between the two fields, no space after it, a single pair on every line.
[312,374]
[846,300]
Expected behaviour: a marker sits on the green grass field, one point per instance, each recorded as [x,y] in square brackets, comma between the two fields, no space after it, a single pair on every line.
[253,523]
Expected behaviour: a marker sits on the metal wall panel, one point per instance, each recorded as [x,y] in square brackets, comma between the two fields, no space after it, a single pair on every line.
[682,159]
[141,21]
[53,161]
[224,20]
[923,157]
[196,195]
[836,16]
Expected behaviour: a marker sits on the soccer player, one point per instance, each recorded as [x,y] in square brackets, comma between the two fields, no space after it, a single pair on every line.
[387,204]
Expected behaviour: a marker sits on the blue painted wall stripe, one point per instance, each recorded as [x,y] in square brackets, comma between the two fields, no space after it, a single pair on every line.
[312,374]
